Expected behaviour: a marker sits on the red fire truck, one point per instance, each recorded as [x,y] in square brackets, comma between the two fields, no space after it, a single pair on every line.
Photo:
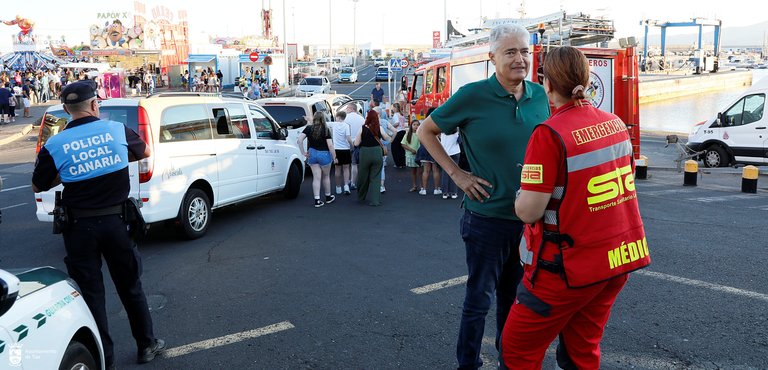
[612,86]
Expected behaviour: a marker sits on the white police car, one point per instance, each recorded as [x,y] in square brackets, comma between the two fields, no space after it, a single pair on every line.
[45,323]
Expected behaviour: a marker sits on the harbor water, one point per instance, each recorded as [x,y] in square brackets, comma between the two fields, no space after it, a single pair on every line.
[680,114]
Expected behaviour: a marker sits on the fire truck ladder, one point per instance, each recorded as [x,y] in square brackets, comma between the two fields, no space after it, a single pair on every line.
[559,29]
[575,30]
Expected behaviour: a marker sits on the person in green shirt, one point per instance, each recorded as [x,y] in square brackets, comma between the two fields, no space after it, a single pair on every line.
[495,118]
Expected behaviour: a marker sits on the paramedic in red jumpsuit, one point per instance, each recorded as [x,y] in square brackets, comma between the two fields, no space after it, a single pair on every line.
[584,233]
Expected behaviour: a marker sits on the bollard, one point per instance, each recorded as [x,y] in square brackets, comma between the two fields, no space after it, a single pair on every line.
[641,168]
[749,180]
[691,173]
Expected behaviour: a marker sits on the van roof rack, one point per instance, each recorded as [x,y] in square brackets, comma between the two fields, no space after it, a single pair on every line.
[227,94]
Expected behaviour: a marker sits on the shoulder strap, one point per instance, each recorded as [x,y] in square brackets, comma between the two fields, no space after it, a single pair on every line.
[375,137]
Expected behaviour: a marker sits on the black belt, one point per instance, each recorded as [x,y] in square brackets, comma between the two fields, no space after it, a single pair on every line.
[96,212]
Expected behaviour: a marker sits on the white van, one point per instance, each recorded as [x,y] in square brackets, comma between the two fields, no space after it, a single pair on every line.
[737,134]
[208,151]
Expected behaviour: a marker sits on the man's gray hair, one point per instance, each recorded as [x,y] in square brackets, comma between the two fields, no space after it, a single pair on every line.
[508,30]
[80,107]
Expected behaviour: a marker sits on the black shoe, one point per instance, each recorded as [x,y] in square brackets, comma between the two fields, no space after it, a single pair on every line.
[319,203]
[148,354]
[329,199]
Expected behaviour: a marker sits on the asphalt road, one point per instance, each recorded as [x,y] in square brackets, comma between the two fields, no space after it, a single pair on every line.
[289,286]
[365,83]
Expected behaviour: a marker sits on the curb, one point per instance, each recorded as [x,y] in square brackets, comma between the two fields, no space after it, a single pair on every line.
[24,130]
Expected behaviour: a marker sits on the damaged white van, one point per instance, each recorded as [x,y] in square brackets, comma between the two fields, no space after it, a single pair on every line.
[738,134]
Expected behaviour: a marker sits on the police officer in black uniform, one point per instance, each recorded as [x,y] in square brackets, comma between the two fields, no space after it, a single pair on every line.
[90,157]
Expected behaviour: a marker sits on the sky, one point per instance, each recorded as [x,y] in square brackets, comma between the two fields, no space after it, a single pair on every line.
[388,22]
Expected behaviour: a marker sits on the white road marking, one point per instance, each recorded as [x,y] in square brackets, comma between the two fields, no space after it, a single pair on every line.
[13,206]
[16,188]
[724,198]
[704,284]
[665,192]
[441,285]
[677,279]
[227,339]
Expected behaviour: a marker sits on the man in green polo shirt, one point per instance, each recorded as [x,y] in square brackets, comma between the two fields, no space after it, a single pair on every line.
[495,117]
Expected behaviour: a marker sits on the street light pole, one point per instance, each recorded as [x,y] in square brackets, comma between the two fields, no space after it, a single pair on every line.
[354,33]
[285,50]
[330,35]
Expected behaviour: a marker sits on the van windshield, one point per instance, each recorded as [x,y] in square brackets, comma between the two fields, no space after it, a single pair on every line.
[287,116]
[55,120]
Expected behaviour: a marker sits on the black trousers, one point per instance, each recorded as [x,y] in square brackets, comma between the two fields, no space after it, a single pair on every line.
[398,153]
[86,241]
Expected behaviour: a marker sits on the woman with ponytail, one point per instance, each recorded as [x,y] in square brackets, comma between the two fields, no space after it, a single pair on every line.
[581,238]
[320,155]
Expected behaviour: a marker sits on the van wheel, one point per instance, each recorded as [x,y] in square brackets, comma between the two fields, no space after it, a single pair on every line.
[292,183]
[715,156]
[77,357]
[195,214]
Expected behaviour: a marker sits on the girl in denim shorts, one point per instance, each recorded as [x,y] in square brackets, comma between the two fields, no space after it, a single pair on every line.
[320,155]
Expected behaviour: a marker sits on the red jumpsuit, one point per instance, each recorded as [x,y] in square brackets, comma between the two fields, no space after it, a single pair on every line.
[578,255]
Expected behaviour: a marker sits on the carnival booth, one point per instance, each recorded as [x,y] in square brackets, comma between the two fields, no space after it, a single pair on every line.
[113,83]
[198,62]
[273,64]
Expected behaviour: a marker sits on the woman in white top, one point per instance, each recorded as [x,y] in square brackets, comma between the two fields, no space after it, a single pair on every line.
[451,145]
[213,83]
[400,124]
[342,144]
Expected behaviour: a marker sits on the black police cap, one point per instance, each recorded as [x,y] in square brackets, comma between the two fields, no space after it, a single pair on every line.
[78,91]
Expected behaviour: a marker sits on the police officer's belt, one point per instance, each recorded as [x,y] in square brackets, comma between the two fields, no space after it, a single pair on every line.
[96,212]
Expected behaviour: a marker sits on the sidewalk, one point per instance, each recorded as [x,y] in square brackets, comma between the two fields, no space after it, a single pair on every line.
[10,132]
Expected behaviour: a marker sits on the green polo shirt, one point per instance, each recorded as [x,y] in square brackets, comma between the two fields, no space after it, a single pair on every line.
[495,129]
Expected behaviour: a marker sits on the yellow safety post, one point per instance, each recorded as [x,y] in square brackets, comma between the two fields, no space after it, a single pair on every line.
[641,168]
[691,173]
[749,180]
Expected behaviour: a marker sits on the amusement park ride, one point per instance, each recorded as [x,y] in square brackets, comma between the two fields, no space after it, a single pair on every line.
[25,53]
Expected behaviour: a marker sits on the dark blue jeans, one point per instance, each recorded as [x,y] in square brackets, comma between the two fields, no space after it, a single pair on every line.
[494,266]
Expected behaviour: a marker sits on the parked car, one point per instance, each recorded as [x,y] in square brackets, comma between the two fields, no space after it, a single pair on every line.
[737,134]
[348,74]
[382,74]
[45,322]
[208,152]
[313,85]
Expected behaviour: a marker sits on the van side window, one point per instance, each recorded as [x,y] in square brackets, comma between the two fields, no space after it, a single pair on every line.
[222,125]
[239,121]
[747,110]
[430,81]
[441,80]
[261,124]
[323,107]
[185,123]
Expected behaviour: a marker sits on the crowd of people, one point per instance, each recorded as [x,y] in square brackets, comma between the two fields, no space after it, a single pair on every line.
[205,81]
[20,89]
[360,148]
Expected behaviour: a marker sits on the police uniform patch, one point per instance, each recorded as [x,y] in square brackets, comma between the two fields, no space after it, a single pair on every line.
[532,174]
